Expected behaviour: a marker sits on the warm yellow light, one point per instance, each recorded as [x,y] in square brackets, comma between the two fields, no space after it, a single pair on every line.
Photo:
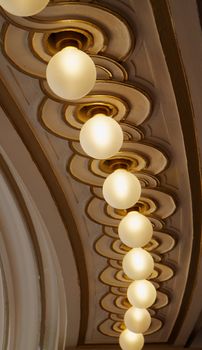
[135,230]
[71,73]
[137,320]
[138,264]
[23,8]
[141,294]
[131,341]
[101,137]
[121,189]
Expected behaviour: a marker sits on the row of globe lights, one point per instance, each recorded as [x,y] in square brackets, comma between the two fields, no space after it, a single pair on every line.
[135,231]
[101,137]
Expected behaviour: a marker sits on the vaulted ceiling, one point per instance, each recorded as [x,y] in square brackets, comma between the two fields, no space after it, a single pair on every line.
[61,282]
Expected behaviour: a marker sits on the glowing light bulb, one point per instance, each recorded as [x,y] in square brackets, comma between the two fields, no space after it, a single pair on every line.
[141,294]
[138,264]
[131,341]
[121,189]
[23,8]
[71,73]
[135,230]
[137,320]
[101,137]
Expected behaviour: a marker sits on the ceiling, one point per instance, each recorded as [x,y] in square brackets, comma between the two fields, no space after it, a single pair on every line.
[61,277]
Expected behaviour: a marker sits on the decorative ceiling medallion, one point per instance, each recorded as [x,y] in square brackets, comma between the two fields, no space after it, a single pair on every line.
[33,58]
[152,197]
[58,40]
[113,329]
[114,249]
[88,110]
[120,38]
[139,101]
[84,35]
[145,205]
[93,172]
[125,160]
[154,161]
[65,120]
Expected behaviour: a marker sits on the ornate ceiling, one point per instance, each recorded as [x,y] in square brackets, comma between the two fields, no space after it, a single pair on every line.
[61,276]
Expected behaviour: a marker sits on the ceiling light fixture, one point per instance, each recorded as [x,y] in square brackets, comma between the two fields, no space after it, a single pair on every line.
[135,230]
[71,73]
[141,294]
[23,8]
[138,264]
[137,320]
[101,137]
[121,189]
[131,341]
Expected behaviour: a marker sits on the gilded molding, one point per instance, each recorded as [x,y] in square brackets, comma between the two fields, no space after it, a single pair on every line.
[127,103]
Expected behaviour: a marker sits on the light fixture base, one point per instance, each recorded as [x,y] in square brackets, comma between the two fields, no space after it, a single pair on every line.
[118,162]
[56,41]
[88,110]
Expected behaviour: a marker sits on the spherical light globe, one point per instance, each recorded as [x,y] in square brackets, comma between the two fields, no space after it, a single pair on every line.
[135,230]
[138,264]
[101,137]
[131,341]
[137,320]
[121,189]
[71,73]
[141,294]
[23,8]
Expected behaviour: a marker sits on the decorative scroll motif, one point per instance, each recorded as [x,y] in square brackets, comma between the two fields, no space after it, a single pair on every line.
[109,41]
[154,202]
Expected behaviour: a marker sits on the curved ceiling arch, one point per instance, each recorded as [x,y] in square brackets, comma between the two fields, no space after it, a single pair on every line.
[48,235]
[148,86]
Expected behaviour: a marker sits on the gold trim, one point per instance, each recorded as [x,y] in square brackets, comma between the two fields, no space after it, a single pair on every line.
[100,95]
[32,50]
[107,71]
[141,206]
[86,111]
[36,19]
[61,101]
[71,36]
[113,61]
[120,161]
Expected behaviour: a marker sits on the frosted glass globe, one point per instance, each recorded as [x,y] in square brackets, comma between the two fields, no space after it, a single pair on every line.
[141,294]
[135,230]
[131,341]
[121,189]
[23,7]
[138,264]
[71,73]
[137,320]
[101,137]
